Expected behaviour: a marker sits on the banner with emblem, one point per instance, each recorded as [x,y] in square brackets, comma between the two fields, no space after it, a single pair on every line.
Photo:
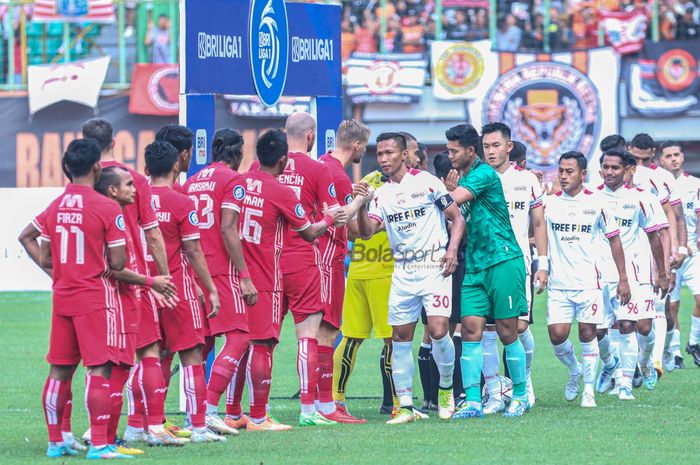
[385,78]
[74,11]
[553,103]
[458,69]
[155,90]
[664,79]
[625,30]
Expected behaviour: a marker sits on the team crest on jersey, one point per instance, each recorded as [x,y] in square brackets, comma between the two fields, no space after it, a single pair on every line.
[550,107]
[238,192]
[348,199]
[120,223]
[401,198]
[299,210]
[331,190]
[194,219]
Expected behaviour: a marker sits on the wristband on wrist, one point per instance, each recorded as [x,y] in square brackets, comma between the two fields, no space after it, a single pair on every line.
[149,281]
[542,263]
[683,250]
[329,220]
[243,274]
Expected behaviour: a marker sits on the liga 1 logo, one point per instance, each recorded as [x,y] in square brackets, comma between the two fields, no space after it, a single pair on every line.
[269,48]
[550,107]
[164,88]
[459,68]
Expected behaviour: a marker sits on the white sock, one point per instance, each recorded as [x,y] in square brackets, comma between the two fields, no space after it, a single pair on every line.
[646,346]
[565,354]
[528,343]
[606,355]
[628,357]
[402,371]
[133,430]
[676,342]
[213,409]
[694,337]
[669,338]
[660,340]
[590,354]
[489,347]
[444,355]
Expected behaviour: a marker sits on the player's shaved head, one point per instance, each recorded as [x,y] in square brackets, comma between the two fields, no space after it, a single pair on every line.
[110,176]
[80,157]
[299,124]
[101,130]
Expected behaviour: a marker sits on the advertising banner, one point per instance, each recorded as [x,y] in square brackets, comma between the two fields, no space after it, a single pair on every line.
[385,78]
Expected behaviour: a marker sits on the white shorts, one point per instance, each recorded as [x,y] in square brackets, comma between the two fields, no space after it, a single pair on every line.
[411,292]
[688,274]
[640,307]
[569,306]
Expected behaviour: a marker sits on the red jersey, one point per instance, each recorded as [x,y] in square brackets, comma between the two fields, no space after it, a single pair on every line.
[179,222]
[139,215]
[129,295]
[211,189]
[312,183]
[333,245]
[81,224]
[267,210]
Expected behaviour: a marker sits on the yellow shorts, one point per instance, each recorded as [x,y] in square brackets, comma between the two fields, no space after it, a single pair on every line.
[366,307]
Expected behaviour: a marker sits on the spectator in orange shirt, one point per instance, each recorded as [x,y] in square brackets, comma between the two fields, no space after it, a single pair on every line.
[413,35]
[347,38]
[366,34]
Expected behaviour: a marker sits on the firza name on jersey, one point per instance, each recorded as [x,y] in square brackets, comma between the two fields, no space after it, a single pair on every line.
[69,218]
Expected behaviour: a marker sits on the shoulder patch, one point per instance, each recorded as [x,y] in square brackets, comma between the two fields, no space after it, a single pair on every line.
[299,210]
[238,192]
[120,223]
[331,190]
[348,199]
[194,219]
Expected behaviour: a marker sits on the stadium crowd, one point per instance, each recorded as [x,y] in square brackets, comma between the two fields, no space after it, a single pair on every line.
[144,268]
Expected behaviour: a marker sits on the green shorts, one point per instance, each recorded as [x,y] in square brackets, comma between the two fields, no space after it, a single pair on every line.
[497,292]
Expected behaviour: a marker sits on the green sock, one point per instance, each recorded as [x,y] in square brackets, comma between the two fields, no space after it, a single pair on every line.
[515,358]
[471,362]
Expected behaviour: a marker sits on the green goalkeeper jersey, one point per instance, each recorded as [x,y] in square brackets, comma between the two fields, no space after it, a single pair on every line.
[490,237]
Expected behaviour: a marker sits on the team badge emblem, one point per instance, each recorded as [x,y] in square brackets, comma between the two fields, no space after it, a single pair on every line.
[459,68]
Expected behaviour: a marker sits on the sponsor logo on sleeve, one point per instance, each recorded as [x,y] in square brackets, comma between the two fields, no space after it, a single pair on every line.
[299,210]
[238,192]
[194,219]
[120,223]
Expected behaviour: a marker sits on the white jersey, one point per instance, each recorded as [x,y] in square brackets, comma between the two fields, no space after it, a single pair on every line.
[412,212]
[635,212]
[523,192]
[659,182]
[688,189]
[573,224]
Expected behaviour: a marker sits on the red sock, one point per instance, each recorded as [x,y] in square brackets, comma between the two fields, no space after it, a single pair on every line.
[135,407]
[166,366]
[226,364]
[120,374]
[307,366]
[234,391]
[54,401]
[97,405]
[153,390]
[259,374]
[195,391]
[325,374]
[68,407]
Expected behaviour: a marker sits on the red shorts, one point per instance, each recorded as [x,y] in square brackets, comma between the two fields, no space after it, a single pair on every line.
[149,328]
[265,317]
[302,290]
[334,294]
[232,314]
[205,321]
[183,326]
[92,338]
[127,349]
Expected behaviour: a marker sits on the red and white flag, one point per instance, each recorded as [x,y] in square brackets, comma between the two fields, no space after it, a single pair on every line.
[625,30]
[74,11]
[78,81]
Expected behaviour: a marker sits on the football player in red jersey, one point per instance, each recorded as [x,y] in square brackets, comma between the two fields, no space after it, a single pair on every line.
[83,238]
[212,191]
[181,138]
[141,220]
[351,144]
[184,329]
[267,209]
[301,261]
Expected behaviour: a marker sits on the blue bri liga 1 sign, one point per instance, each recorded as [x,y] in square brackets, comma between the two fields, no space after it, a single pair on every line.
[264,47]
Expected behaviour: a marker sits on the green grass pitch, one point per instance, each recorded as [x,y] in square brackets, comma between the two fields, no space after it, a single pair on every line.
[659,427]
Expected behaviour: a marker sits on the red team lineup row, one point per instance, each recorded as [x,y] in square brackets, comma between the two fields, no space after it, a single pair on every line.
[141,264]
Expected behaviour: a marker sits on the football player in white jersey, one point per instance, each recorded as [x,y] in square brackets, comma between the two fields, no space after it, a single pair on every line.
[523,195]
[575,216]
[413,206]
[688,188]
[634,211]
[660,183]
